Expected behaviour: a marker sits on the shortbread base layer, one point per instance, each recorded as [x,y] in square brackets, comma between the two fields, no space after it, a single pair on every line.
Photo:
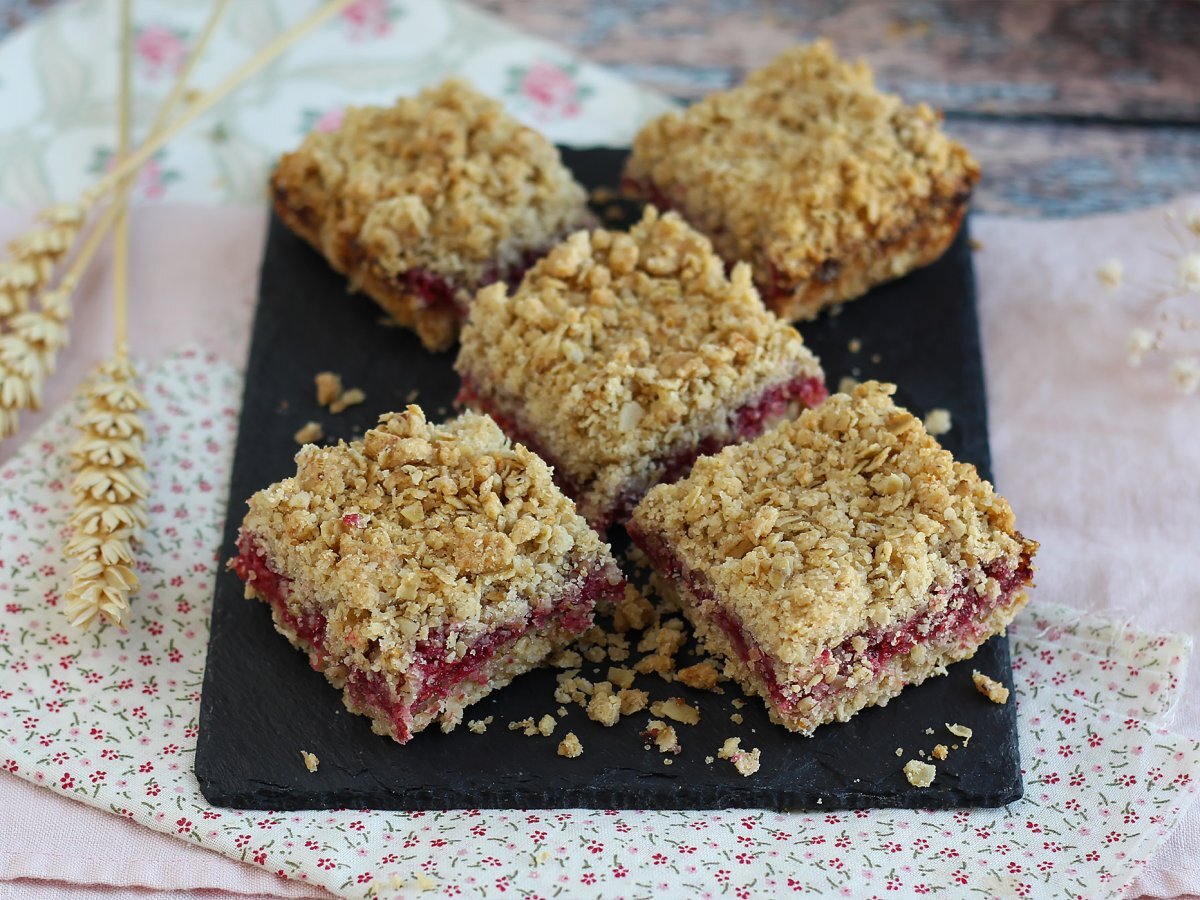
[401,704]
[745,422]
[852,270]
[864,669]
[426,302]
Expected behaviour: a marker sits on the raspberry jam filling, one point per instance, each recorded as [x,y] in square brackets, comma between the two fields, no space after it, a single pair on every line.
[745,423]
[437,677]
[963,618]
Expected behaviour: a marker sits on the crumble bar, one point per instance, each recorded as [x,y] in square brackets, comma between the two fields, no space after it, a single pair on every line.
[622,357]
[422,203]
[825,184]
[423,567]
[837,558]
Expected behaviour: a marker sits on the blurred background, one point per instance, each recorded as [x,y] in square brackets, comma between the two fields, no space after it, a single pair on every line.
[1073,106]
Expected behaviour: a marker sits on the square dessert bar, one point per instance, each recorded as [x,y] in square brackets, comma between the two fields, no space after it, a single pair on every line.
[837,558]
[423,567]
[624,356]
[807,171]
[424,202]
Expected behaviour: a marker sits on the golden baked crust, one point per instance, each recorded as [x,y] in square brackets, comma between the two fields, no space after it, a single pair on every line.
[834,524]
[824,183]
[621,349]
[445,182]
[417,532]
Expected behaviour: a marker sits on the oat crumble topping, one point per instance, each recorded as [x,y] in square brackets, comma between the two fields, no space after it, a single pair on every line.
[802,166]
[446,182]
[702,676]
[919,774]
[837,521]
[346,399]
[621,349]
[990,688]
[938,422]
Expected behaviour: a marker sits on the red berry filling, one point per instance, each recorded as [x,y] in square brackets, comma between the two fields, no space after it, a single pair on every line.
[746,423]
[963,617]
[436,677]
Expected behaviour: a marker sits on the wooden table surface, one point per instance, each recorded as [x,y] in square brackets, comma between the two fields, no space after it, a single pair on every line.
[1073,106]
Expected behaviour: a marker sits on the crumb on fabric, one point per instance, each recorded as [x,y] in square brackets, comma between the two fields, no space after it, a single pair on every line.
[990,687]
[1111,273]
[919,774]
[310,760]
[938,422]
[309,433]
[569,746]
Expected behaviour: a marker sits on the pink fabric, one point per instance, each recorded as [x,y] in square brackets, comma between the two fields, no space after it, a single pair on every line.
[1099,461]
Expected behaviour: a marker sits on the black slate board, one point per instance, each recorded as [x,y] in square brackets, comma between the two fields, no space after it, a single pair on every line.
[262,703]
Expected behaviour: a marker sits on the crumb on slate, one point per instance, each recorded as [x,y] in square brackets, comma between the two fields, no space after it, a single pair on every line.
[566,659]
[479,726]
[662,736]
[349,398]
[961,731]
[605,706]
[854,345]
[747,762]
[676,708]
[940,751]
[990,688]
[570,746]
[702,676]
[620,676]
[919,774]
[736,719]
[632,700]
[899,751]
[545,725]
[329,387]
[738,703]
[310,760]
[309,433]
[929,731]
[847,385]
[937,422]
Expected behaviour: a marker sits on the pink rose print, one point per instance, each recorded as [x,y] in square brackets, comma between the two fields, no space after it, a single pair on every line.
[161,50]
[369,19]
[552,92]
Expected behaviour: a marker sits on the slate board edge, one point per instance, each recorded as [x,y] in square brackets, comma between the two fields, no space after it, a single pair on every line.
[241,794]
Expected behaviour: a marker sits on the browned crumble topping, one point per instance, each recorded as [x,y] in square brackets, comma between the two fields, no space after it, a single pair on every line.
[620,677]
[747,762]
[834,523]
[570,747]
[738,703]
[417,528]
[736,718]
[479,726]
[919,774]
[633,613]
[940,751]
[566,659]
[961,731]
[676,708]
[309,433]
[990,688]
[702,676]
[622,348]
[595,654]
[545,725]
[310,760]
[346,399]
[446,182]
[662,736]
[329,387]
[803,165]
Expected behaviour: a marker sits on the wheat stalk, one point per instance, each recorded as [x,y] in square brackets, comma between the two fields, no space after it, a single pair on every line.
[31,338]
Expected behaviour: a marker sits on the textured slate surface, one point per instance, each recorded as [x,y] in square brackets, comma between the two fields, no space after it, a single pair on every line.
[262,703]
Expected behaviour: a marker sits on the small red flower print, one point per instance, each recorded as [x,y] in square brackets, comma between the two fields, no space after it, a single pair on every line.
[161,50]
[1114,837]
[1015,868]
[326,864]
[368,19]
[892,847]
[357,826]
[242,841]
[658,859]
[892,884]
[1094,740]
[1092,856]
[1066,750]
[721,875]
[364,877]
[921,888]
[619,871]
[588,878]
[310,844]
[152,789]
[260,856]
[66,781]
[183,826]
[10,766]
[595,847]
[959,876]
